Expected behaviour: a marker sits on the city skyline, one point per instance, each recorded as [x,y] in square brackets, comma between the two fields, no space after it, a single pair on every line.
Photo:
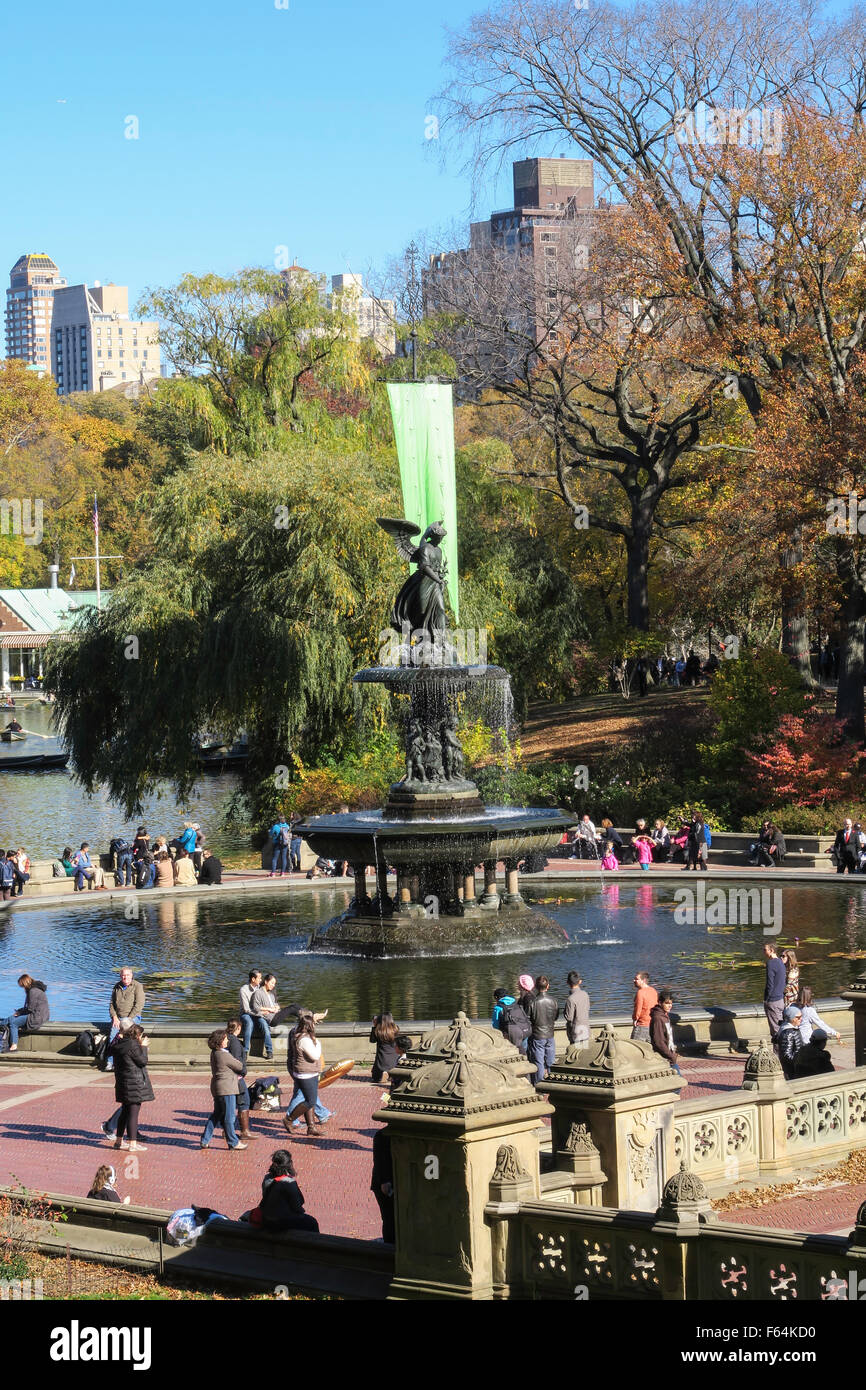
[215,161]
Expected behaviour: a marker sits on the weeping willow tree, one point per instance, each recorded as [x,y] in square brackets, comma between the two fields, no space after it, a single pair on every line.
[258,355]
[268,586]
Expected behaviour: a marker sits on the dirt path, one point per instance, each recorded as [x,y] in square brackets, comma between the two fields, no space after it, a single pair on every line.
[589,725]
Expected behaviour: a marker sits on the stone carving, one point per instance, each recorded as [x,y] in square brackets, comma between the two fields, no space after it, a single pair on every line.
[828,1114]
[684,1187]
[609,1062]
[685,1199]
[762,1066]
[642,1266]
[641,1143]
[705,1140]
[461,1069]
[596,1262]
[579,1140]
[834,1287]
[738,1135]
[452,753]
[856,1108]
[551,1250]
[735,1280]
[787,1283]
[508,1167]
[799,1118]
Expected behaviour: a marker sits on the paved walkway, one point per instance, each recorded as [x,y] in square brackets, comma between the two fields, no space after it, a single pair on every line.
[50,1140]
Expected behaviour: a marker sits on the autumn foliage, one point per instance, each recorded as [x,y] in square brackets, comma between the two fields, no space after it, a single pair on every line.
[809,762]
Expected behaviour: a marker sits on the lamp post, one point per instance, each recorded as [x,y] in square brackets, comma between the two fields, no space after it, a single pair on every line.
[412,301]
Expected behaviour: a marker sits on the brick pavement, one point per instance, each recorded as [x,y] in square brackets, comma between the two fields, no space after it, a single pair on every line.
[50,1140]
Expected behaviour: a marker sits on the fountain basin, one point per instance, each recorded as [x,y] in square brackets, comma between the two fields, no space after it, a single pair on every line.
[498,833]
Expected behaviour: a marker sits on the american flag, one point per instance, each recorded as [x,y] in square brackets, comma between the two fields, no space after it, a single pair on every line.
[95,516]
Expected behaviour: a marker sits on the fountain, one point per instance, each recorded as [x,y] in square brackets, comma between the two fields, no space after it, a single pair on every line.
[434,828]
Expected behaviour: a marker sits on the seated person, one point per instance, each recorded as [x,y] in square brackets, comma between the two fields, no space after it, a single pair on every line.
[32,1016]
[661,838]
[164,870]
[789,1041]
[87,869]
[184,873]
[813,1059]
[282,1204]
[103,1189]
[323,868]
[211,869]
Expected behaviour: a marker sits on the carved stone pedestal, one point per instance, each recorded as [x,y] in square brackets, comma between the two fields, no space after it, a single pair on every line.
[462,1118]
[623,1094]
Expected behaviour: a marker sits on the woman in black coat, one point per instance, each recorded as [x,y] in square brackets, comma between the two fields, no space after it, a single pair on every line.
[131,1084]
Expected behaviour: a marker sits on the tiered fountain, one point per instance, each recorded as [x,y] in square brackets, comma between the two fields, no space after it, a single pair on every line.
[434,829]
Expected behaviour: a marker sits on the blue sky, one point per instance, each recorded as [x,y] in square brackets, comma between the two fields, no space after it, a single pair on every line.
[258,127]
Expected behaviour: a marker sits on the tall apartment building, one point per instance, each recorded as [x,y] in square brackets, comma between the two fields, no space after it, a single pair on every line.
[551,218]
[96,345]
[33,281]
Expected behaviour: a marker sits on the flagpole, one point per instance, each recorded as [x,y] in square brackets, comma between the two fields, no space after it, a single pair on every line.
[96,557]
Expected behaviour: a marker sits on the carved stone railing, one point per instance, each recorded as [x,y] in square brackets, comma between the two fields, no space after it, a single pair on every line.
[598,1253]
[752,1133]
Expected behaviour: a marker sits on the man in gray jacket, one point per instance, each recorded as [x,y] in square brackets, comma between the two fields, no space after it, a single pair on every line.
[576,1011]
[543,1013]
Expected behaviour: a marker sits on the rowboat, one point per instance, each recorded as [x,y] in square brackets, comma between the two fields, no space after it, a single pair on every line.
[33,762]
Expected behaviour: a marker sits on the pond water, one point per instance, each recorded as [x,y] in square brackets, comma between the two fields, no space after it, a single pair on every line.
[194,952]
[43,811]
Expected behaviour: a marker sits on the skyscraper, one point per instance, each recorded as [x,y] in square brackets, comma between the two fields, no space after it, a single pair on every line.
[33,280]
[96,345]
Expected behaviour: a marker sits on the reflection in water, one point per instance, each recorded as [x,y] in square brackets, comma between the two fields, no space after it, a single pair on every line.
[194,952]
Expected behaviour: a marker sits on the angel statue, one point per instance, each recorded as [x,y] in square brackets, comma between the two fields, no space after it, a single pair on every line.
[420,603]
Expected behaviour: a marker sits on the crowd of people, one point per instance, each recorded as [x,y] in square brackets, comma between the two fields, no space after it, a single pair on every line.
[183,862]
[604,844]
[526,1014]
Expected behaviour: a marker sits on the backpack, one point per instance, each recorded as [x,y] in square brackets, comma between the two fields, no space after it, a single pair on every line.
[709,834]
[514,1023]
[4,1038]
[285,837]
[100,1051]
[85,1044]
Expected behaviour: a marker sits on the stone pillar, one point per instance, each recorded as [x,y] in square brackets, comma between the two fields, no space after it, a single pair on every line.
[462,1119]
[625,1094]
[512,896]
[404,891]
[763,1074]
[490,897]
[685,1207]
[362,900]
[857,994]
[469,887]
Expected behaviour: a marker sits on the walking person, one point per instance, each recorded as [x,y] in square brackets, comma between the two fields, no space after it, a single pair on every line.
[384,1033]
[109,1126]
[297,1107]
[645,1000]
[543,1013]
[233,1031]
[304,1059]
[34,1013]
[576,1011]
[132,1087]
[224,1073]
[774,990]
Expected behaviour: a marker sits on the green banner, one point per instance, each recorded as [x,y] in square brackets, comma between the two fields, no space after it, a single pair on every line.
[423,414]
